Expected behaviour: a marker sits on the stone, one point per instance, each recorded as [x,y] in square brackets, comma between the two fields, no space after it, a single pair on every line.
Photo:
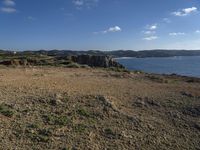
[96,61]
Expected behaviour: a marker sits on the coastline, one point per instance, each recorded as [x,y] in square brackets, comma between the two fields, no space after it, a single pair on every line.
[180,65]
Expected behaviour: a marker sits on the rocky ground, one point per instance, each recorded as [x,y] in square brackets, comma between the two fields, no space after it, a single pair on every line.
[94,109]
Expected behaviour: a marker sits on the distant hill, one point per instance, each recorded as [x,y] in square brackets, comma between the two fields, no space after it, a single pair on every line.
[116,53]
[154,53]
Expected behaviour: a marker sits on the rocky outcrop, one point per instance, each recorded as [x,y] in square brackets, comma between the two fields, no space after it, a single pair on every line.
[96,61]
[90,60]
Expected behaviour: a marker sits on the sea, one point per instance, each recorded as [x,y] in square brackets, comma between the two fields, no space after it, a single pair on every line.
[181,65]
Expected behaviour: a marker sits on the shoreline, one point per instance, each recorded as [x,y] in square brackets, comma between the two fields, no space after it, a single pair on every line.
[163,65]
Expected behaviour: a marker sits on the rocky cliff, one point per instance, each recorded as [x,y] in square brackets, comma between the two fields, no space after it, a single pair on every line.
[38,60]
[96,61]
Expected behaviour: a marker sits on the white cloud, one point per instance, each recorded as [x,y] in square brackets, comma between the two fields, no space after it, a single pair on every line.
[197,31]
[8,6]
[78,2]
[9,2]
[176,33]
[189,10]
[149,32]
[152,27]
[111,29]
[185,12]
[84,3]
[114,29]
[150,38]
[8,10]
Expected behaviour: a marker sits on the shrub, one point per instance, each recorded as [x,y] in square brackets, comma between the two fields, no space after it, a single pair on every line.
[109,131]
[83,112]
[80,128]
[6,110]
[38,134]
[56,120]
[117,69]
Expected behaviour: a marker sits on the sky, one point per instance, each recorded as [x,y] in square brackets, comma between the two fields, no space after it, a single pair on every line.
[99,24]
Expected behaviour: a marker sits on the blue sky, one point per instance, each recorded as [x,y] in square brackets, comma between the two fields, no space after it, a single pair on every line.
[99,24]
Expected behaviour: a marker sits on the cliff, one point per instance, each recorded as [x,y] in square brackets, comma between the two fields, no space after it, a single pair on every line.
[96,61]
[42,60]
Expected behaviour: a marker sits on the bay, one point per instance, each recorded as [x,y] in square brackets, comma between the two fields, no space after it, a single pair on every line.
[181,65]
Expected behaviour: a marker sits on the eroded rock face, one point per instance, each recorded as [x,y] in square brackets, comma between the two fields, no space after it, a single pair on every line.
[96,61]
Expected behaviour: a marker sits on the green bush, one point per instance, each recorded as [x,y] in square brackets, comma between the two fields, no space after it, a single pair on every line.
[52,119]
[80,128]
[83,112]
[6,110]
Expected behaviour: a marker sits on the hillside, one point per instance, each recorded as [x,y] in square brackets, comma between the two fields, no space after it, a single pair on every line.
[154,53]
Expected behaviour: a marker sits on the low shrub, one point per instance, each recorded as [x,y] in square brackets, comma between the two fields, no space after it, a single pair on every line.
[6,110]
[52,119]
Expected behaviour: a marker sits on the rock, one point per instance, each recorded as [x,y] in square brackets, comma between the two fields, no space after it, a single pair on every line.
[57,99]
[192,111]
[96,61]
[145,102]
[151,102]
[126,135]
[139,103]
[187,94]
[108,103]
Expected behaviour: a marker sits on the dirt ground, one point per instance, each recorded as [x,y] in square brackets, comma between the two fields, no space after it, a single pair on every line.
[96,109]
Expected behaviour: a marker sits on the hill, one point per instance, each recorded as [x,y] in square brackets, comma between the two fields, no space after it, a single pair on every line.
[117,53]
